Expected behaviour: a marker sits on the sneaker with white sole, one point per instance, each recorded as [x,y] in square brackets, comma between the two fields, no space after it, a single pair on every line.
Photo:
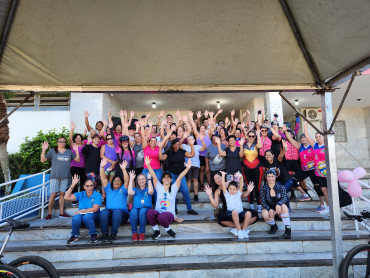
[240,234]
[325,211]
[304,198]
[320,208]
[234,232]
[246,233]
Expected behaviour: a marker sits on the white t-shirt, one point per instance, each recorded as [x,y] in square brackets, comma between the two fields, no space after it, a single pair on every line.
[195,159]
[165,200]
[234,202]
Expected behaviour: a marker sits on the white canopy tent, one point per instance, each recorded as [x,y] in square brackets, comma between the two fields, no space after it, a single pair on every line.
[192,45]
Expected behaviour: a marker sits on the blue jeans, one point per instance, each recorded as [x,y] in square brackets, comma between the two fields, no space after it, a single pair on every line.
[183,189]
[288,186]
[138,215]
[114,216]
[88,219]
[159,174]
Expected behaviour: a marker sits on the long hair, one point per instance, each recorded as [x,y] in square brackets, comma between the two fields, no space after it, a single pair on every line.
[130,151]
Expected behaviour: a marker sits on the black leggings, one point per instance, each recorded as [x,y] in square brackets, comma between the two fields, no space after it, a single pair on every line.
[254,175]
[302,175]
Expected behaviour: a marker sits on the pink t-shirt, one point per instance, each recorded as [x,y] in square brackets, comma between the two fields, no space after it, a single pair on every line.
[154,156]
[266,145]
[307,158]
[80,164]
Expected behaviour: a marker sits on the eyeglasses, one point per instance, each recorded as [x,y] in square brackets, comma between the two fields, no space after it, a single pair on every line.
[110,138]
[264,130]
[61,141]
[88,185]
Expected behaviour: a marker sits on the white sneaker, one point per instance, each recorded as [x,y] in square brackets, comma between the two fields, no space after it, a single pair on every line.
[251,206]
[234,232]
[259,208]
[326,211]
[240,234]
[246,233]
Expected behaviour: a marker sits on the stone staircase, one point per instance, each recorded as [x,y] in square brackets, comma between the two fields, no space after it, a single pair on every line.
[202,248]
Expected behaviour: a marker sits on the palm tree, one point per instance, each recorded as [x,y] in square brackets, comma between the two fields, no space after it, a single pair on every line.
[4,138]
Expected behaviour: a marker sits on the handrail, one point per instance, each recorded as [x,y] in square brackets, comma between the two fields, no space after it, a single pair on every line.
[23,191]
[24,178]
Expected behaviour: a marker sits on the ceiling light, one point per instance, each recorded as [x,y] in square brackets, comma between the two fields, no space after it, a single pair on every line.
[296,102]
[111,94]
[218,104]
[154,105]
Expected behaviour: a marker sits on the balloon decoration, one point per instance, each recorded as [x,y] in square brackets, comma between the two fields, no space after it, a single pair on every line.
[354,188]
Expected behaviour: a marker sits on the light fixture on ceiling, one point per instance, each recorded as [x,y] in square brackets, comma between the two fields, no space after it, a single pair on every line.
[218,104]
[111,94]
[296,102]
[154,105]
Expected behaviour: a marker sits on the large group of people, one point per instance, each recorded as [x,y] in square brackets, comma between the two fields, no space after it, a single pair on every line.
[135,169]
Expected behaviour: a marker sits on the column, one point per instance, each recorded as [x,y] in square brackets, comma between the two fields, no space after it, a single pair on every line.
[274,105]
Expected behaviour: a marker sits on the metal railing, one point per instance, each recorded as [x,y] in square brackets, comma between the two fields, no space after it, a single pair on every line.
[26,201]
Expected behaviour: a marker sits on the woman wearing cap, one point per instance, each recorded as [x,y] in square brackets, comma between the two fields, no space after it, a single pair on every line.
[274,198]
[164,212]
[319,163]
[89,202]
[265,142]
[142,194]
[125,154]
[115,211]
[306,156]
[252,170]
[176,159]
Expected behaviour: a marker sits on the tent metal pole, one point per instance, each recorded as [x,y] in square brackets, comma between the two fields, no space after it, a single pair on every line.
[8,24]
[332,181]
[297,34]
[343,100]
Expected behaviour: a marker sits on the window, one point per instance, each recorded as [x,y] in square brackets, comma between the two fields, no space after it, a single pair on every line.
[340,131]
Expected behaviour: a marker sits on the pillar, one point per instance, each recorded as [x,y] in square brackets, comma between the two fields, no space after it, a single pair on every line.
[274,105]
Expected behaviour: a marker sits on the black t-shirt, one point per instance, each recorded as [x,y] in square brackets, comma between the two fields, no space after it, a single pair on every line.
[274,146]
[233,163]
[92,158]
[283,174]
[176,161]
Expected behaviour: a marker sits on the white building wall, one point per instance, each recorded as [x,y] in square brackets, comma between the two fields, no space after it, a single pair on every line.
[29,123]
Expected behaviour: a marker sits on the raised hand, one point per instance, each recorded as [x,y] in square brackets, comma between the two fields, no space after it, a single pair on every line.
[185,118]
[232,113]
[178,115]
[191,114]
[284,128]
[86,114]
[250,186]
[73,126]
[121,113]
[149,176]
[223,174]
[123,165]
[132,175]
[220,111]
[132,114]
[227,121]
[244,114]
[199,114]
[75,147]
[238,175]
[218,141]
[75,180]
[285,144]
[248,112]
[147,161]
[173,128]
[105,122]
[208,190]
[161,114]
[45,145]
[159,144]
[103,162]
[242,141]
[206,113]
[110,125]
[236,121]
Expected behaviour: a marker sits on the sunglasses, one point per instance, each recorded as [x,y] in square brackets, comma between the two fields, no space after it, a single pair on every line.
[251,136]
[61,141]
[110,138]
[88,185]
[264,130]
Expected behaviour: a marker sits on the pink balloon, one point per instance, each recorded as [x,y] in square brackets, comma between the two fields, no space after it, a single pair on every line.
[346,176]
[359,172]
[354,189]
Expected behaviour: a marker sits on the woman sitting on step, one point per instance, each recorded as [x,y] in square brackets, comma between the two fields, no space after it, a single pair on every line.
[89,202]
[142,194]
[274,199]
[164,212]
[222,218]
[116,202]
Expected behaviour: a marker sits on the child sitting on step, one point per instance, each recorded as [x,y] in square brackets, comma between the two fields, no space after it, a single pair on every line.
[235,209]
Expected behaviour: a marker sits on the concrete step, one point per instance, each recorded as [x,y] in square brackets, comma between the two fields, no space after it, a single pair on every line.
[256,265]
[60,228]
[183,245]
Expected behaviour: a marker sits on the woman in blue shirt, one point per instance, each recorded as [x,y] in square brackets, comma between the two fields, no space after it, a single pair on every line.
[89,202]
[115,211]
[142,203]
